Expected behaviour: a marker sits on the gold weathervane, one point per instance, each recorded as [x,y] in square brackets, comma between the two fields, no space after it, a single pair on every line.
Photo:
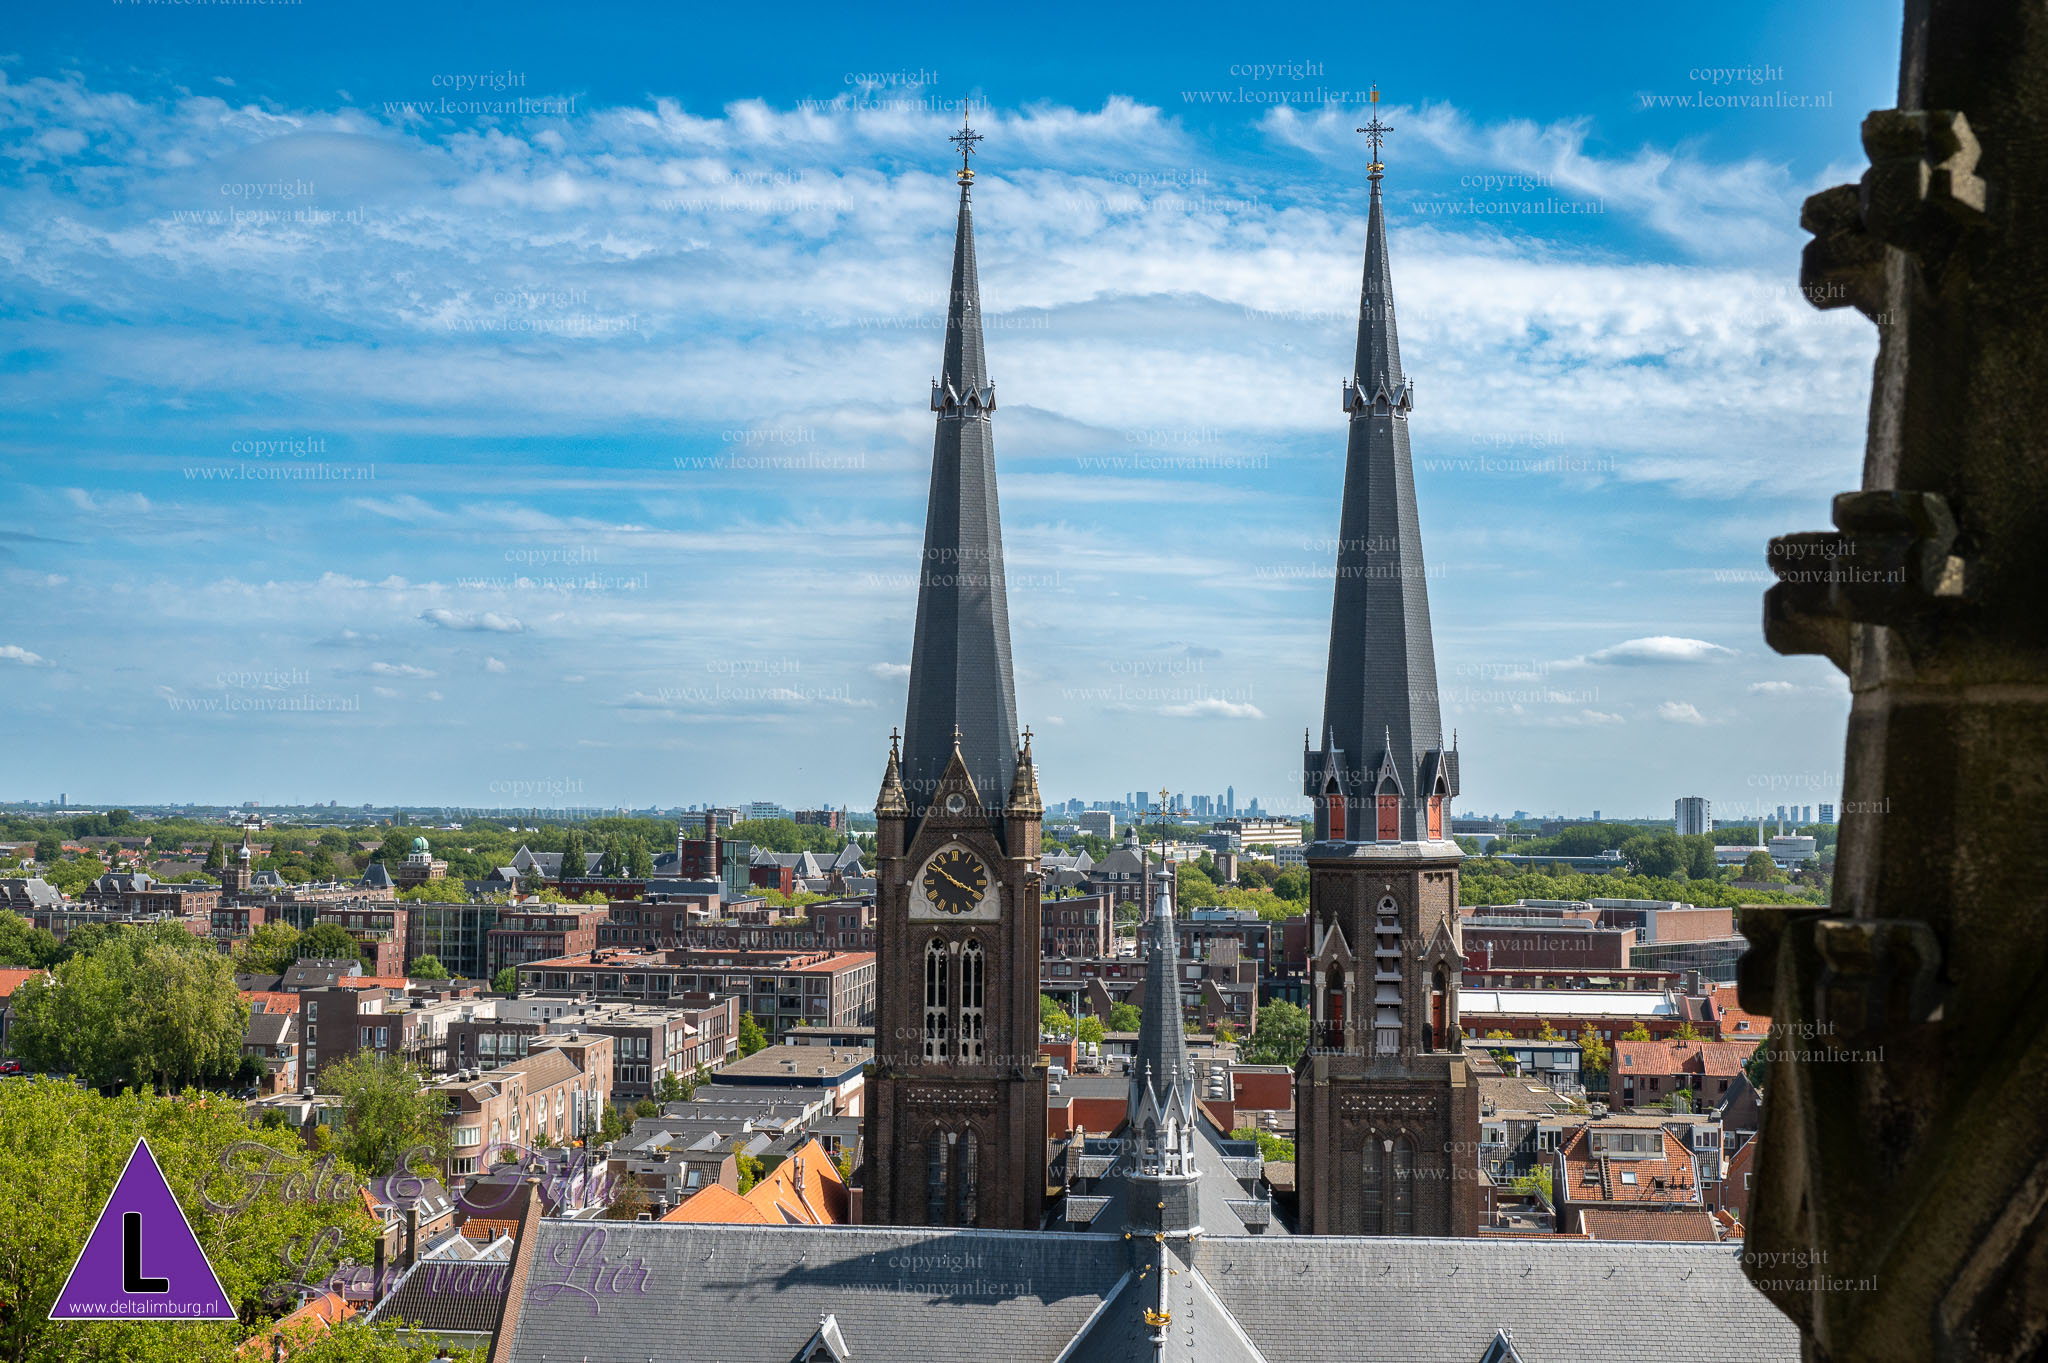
[965,140]
[1375,132]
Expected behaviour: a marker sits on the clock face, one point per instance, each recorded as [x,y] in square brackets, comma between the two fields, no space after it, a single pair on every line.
[955,880]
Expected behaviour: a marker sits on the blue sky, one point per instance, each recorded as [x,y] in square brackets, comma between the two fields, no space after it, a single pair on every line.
[506,404]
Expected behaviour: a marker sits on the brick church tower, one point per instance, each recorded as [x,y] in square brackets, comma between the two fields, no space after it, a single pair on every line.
[956,1116]
[1386,1109]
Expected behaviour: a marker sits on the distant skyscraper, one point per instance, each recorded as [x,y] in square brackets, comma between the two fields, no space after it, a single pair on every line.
[1596,816]
[1807,817]
[1781,813]
[1229,801]
[1691,814]
[1827,813]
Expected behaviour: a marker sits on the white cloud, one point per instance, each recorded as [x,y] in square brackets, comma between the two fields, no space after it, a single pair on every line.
[890,671]
[15,653]
[489,621]
[1680,712]
[1213,707]
[1655,649]
[495,665]
[1772,688]
[397,670]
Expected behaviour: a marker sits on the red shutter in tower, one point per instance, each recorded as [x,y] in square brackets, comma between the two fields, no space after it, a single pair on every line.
[1390,818]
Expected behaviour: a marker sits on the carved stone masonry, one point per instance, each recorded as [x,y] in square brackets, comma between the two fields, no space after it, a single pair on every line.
[1901,1202]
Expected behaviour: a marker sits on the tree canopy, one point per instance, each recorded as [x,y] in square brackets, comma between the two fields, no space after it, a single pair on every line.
[145,1005]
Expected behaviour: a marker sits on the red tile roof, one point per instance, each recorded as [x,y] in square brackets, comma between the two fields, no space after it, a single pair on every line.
[1711,1059]
[1648,1223]
[1669,1176]
[803,1190]
[270,1001]
[12,979]
[1731,1021]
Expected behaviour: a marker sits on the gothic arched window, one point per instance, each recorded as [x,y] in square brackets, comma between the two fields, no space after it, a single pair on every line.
[973,984]
[1401,1205]
[970,1175]
[1333,1009]
[1338,813]
[1369,1187]
[937,1003]
[935,1179]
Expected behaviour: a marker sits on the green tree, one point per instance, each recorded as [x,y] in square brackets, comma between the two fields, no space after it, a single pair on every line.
[751,1037]
[1292,884]
[142,1007]
[1281,1035]
[1546,1032]
[1637,1032]
[612,863]
[646,1107]
[629,1199]
[327,942]
[506,981]
[22,944]
[1053,1020]
[1535,1182]
[270,949]
[572,857]
[427,968]
[639,863]
[49,850]
[216,858]
[1759,866]
[1686,1032]
[750,1167]
[613,1124]
[1593,1053]
[1089,1028]
[61,1150]
[1226,1033]
[1125,1017]
[672,1088]
[1273,1149]
[387,1113]
[1756,1067]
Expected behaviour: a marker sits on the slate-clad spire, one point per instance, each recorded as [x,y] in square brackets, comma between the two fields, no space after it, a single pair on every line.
[1159,1068]
[960,665]
[1382,732]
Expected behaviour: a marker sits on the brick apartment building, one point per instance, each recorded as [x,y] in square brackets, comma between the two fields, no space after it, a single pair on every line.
[553,1095]
[542,932]
[380,932]
[781,989]
[1078,926]
[688,1033]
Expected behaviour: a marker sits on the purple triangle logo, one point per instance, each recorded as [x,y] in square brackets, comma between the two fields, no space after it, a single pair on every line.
[142,1261]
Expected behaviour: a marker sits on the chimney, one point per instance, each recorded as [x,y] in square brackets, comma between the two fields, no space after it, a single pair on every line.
[377,1271]
[412,1235]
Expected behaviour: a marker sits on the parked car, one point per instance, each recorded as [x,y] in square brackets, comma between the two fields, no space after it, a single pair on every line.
[10,1067]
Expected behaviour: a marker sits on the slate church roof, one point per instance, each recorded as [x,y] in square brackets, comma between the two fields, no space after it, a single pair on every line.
[758,1294]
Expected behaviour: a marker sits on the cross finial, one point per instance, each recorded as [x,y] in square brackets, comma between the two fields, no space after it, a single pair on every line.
[956,738]
[1375,132]
[965,140]
[1027,735]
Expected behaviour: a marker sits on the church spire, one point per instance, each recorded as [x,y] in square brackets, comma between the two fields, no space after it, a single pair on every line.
[960,674]
[1384,747]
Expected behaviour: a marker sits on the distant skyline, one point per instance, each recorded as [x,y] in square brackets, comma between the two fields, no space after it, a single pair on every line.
[470,404]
